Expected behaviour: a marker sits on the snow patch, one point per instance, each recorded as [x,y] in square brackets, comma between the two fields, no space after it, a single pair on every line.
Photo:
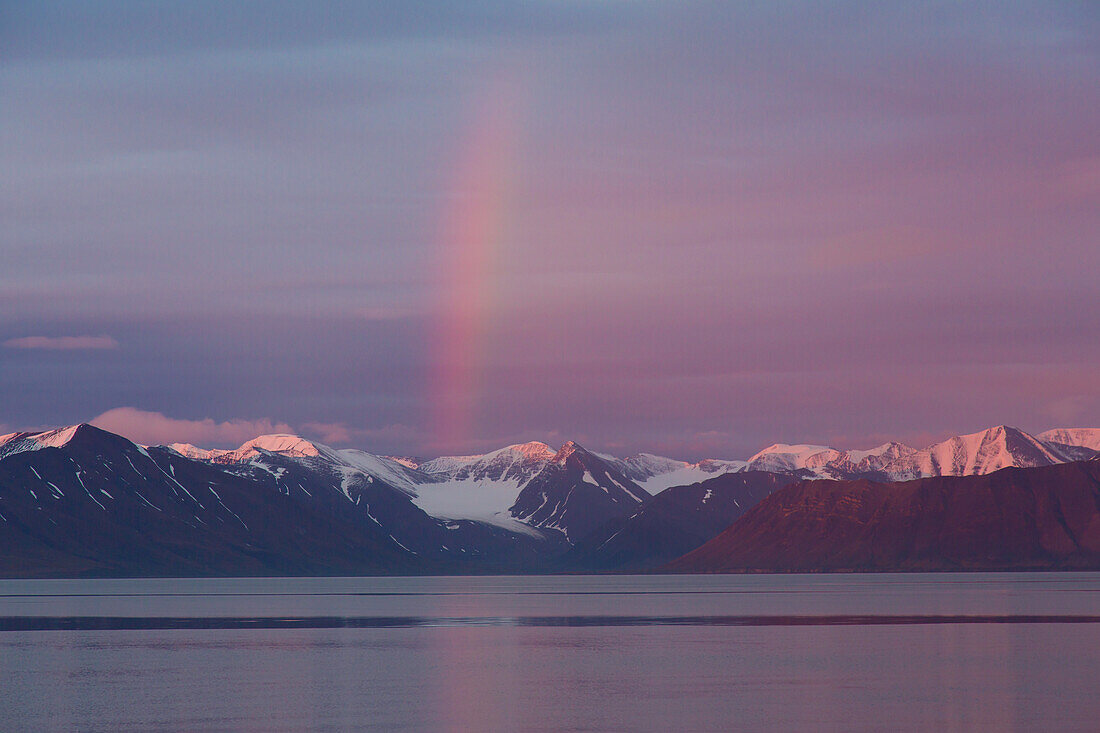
[480,500]
[690,473]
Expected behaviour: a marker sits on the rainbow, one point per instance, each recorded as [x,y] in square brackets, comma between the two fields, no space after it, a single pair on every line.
[472,232]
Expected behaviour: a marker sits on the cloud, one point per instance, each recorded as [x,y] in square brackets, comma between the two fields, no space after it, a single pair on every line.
[333,432]
[62,343]
[154,428]
[389,437]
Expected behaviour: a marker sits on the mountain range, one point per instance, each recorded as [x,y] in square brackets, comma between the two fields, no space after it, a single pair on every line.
[962,455]
[1013,519]
[82,501]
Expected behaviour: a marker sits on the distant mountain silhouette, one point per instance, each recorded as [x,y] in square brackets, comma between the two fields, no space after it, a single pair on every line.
[1037,518]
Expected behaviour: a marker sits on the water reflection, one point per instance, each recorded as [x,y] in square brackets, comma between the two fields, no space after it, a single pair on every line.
[535,663]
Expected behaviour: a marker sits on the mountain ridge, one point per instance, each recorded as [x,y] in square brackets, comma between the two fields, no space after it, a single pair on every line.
[81,500]
[507,470]
[1043,517]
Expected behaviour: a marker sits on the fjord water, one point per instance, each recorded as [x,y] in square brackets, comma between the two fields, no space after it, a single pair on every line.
[971,651]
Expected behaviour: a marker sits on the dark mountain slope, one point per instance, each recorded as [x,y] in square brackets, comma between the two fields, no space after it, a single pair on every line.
[673,522]
[98,504]
[1044,518]
[339,494]
[575,493]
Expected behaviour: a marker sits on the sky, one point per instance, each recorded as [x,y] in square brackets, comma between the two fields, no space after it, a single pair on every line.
[693,229]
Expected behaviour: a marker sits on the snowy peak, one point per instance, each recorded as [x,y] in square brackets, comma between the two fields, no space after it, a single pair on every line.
[781,457]
[387,470]
[870,462]
[719,466]
[407,461]
[1002,446]
[81,434]
[352,465]
[498,479]
[566,452]
[1079,437]
[288,445]
[190,451]
[60,437]
[657,473]
[533,449]
[573,454]
[578,463]
[576,492]
[515,463]
[984,452]
[646,465]
[465,487]
[978,453]
[884,452]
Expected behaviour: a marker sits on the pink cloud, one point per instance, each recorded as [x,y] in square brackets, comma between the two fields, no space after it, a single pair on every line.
[62,343]
[154,428]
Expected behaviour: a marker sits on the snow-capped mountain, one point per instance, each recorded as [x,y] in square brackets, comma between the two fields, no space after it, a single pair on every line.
[85,501]
[962,455]
[13,443]
[517,463]
[407,461]
[353,464]
[976,454]
[459,491]
[657,473]
[491,489]
[402,499]
[850,463]
[572,490]
[1077,437]
[480,488]
[783,457]
[577,489]
[80,500]
[575,493]
[485,487]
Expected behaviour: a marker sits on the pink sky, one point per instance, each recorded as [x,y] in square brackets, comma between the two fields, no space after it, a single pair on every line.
[691,229]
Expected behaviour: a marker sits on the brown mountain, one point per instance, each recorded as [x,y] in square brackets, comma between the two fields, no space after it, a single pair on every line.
[1016,518]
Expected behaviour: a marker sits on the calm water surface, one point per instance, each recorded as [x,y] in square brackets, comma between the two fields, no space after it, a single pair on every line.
[840,652]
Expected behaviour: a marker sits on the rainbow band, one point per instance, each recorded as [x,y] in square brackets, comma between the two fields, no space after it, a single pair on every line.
[471,236]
